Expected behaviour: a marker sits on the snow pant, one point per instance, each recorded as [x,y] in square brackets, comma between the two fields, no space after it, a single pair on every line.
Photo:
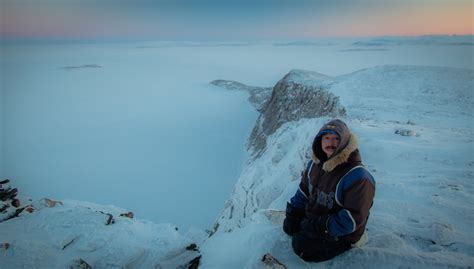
[317,250]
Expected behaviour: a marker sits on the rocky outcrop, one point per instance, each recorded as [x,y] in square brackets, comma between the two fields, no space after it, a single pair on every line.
[300,94]
[258,95]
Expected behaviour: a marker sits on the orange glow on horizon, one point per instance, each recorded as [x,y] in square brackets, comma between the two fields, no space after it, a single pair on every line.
[397,21]
[380,19]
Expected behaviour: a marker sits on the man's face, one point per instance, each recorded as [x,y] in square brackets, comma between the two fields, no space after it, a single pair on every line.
[329,143]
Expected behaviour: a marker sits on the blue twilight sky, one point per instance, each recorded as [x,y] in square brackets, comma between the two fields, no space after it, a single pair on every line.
[76,20]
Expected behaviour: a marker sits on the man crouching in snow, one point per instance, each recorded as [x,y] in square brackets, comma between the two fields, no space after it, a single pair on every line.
[329,211]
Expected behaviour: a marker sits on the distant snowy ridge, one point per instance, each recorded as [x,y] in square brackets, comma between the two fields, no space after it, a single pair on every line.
[421,217]
[305,43]
[258,96]
[173,44]
[463,40]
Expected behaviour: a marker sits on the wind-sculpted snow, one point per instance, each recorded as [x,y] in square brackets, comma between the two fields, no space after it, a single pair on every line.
[421,216]
[440,95]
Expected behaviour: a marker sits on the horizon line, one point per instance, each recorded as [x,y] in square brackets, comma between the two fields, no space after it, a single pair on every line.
[7,41]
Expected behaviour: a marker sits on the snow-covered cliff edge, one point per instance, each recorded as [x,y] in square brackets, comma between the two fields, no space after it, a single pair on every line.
[298,95]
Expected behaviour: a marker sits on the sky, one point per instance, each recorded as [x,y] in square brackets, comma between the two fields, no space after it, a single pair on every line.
[82,20]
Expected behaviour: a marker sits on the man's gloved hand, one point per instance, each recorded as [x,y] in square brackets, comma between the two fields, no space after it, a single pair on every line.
[294,215]
[315,227]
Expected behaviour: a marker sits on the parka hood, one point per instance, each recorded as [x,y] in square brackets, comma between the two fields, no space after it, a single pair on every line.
[348,144]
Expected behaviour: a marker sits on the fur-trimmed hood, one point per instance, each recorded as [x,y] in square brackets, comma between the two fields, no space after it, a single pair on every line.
[341,157]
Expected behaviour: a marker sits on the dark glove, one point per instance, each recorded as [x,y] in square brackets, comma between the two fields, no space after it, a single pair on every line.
[315,227]
[294,215]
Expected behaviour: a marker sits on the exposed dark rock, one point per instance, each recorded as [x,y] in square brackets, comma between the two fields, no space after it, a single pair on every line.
[110,217]
[194,263]
[406,132]
[9,203]
[75,67]
[127,215]
[80,264]
[300,94]
[69,243]
[193,247]
[271,262]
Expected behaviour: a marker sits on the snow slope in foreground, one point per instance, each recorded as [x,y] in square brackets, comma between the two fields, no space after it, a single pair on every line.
[416,136]
[62,236]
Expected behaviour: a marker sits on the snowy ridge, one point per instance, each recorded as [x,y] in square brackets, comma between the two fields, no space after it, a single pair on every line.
[305,43]
[443,40]
[306,77]
[422,216]
[173,44]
